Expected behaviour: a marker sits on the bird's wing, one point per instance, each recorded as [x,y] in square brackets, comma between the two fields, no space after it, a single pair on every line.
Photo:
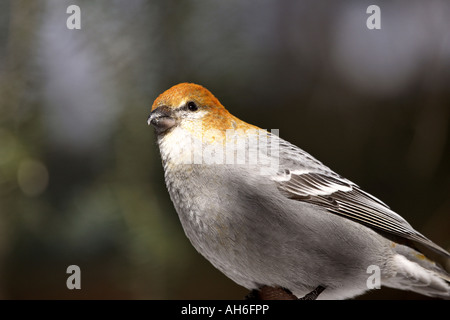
[303,178]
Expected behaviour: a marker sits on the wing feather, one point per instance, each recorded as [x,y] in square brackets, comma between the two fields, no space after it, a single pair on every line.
[303,178]
[344,198]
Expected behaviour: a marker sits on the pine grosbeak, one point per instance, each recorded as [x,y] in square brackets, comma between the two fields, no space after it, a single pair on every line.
[268,214]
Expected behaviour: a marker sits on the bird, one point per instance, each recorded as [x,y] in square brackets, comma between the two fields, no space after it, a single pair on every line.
[270,216]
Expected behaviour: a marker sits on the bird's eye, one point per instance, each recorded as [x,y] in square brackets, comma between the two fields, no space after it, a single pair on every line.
[192,106]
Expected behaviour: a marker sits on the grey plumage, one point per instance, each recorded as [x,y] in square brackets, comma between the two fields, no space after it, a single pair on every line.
[296,225]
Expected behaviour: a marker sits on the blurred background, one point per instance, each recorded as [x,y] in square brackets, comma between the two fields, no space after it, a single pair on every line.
[81,180]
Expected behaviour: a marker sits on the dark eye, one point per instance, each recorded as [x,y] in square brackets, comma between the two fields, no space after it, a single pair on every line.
[192,106]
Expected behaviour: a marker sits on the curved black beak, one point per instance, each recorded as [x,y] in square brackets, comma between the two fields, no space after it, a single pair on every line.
[161,119]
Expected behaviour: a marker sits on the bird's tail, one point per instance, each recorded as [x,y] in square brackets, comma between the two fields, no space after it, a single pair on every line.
[415,272]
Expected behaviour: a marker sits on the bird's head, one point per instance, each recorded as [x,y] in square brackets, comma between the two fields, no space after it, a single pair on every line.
[194,127]
[191,107]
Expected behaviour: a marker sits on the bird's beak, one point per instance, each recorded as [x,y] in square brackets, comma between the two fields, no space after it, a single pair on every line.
[161,119]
